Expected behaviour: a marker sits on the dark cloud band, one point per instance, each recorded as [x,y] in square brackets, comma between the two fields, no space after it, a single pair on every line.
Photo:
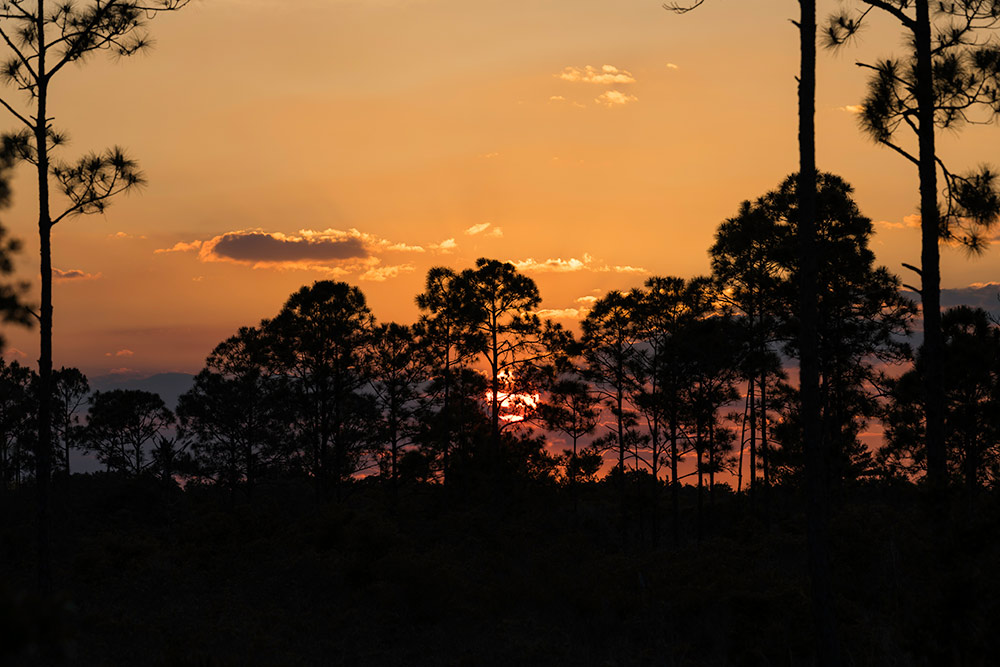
[261,247]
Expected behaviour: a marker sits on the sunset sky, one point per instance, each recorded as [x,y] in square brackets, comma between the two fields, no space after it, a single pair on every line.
[592,142]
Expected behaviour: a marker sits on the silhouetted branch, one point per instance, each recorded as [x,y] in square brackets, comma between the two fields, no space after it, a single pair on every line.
[682,9]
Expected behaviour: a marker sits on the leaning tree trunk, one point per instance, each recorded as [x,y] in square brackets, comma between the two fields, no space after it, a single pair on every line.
[817,477]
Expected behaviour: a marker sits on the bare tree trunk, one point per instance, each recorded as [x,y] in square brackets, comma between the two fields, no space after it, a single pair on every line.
[764,462]
[701,485]
[752,484]
[817,477]
[43,453]
[674,479]
[930,256]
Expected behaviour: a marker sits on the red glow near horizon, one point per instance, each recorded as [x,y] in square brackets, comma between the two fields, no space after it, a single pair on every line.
[514,407]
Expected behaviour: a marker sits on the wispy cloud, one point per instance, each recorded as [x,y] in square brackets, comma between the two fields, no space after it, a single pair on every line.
[606,75]
[485,228]
[120,353]
[672,66]
[561,313]
[73,274]
[445,246]
[560,265]
[180,246]
[379,274]
[909,222]
[615,98]
[577,313]
[851,108]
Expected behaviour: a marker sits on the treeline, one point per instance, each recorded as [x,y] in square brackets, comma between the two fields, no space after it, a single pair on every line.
[678,370]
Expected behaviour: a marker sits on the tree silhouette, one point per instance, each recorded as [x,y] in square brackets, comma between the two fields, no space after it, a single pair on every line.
[972,391]
[661,367]
[237,413]
[952,72]
[711,345]
[18,415]
[573,410]
[122,425]
[396,370]
[70,392]
[862,317]
[42,40]
[609,338]
[443,346]
[512,341]
[318,341]
[747,269]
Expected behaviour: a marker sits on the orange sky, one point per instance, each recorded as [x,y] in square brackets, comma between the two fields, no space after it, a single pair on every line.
[610,135]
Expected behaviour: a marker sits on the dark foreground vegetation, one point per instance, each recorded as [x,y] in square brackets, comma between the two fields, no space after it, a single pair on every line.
[510,573]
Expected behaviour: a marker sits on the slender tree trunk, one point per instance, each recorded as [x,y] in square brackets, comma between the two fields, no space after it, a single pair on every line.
[743,443]
[752,484]
[701,486]
[764,461]
[495,402]
[675,484]
[621,451]
[43,455]
[711,467]
[930,256]
[817,477]
[446,416]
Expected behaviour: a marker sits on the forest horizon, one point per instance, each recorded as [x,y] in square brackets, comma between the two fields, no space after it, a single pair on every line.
[585,195]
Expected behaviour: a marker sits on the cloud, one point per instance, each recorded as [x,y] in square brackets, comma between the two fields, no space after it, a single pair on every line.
[561,313]
[12,353]
[121,371]
[73,274]
[180,246]
[586,302]
[909,222]
[606,75]
[495,232]
[559,265]
[257,247]
[403,247]
[334,252]
[489,156]
[379,274]
[445,246]
[120,353]
[120,235]
[978,295]
[557,98]
[614,98]
[672,66]
[851,108]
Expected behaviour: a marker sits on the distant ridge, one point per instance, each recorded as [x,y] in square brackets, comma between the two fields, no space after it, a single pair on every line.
[168,385]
